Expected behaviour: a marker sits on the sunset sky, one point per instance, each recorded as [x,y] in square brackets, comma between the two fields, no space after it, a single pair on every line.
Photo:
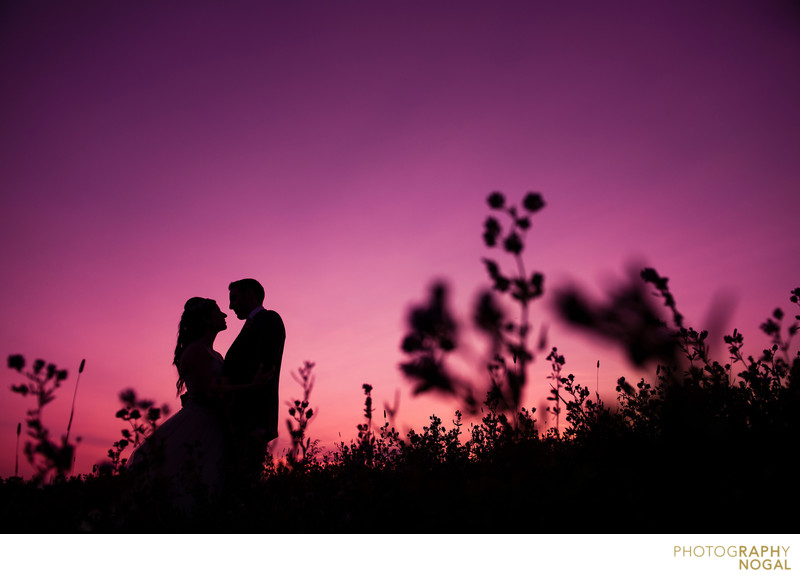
[342,152]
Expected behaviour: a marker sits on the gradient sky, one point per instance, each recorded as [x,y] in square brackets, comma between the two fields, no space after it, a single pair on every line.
[341,153]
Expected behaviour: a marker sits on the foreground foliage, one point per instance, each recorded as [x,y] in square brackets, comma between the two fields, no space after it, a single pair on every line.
[709,447]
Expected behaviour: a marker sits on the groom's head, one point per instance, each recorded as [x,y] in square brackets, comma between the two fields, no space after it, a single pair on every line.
[246,295]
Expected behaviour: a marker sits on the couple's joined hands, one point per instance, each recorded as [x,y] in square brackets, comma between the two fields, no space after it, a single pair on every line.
[260,380]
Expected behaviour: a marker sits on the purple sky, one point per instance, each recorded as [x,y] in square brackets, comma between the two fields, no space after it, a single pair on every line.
[341,153]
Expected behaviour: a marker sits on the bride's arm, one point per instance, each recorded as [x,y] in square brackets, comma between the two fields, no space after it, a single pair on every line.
[199,370]
[199,367]
[261,379]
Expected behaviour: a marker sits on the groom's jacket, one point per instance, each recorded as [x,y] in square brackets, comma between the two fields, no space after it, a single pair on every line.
[260,342]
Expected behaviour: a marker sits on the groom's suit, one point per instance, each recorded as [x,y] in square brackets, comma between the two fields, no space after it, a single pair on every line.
[253,414]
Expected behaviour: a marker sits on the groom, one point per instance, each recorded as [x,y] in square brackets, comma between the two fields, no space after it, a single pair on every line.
[253,414]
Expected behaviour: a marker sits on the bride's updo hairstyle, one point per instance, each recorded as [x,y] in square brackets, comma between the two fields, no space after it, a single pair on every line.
[194,323]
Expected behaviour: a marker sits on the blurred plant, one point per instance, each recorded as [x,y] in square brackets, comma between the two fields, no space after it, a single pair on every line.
[630,319]
[694,397]
[303,449]
[432,336]
[142,417]
[433,332]
[45,455]
[510,337]
[74,397]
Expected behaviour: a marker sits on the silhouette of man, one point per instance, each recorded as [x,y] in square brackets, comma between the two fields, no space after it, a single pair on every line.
[253,414]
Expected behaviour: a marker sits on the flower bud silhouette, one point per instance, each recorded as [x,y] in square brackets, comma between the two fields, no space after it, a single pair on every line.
[496,200]
[533,202]
[16,362]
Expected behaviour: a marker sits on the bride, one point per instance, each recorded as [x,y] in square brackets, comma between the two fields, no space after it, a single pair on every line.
[188,451]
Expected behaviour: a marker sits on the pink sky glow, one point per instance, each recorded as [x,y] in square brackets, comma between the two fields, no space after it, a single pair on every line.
[342,152]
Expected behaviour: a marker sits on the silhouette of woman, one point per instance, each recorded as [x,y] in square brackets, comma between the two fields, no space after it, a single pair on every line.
[188,451]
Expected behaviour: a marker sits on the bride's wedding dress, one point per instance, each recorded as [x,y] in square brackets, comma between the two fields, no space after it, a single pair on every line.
[187,450]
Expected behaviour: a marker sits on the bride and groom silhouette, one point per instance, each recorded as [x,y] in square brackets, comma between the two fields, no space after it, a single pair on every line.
[229,405]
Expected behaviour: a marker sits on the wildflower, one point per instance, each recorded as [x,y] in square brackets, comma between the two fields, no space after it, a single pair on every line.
[624,386]
[513,244]
[16,362]
[411,343]
[537,280]
[491,231]
[488,315]
[128,397]
[533,202]
[144,404]
[770,327]
[496,200]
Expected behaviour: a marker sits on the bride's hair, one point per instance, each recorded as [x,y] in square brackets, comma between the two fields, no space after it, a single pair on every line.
[193,324]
